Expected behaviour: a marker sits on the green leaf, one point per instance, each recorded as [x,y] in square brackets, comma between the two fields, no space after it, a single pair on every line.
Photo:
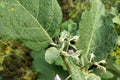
[96,31]
[69,26]
[46,71]
[116,19]
[92,76]
[51,55]
[118,40]
[107,75]
[113,67]
[75,71]
[59,61]
[47,12]
[118,78]
[112,11]
[16,22]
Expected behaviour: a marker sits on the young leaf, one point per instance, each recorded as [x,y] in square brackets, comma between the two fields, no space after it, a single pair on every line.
[69,26]
[16,22]
[59,62]
[51,55]
[116,19]
[46,71]
[47,12]
[96,32]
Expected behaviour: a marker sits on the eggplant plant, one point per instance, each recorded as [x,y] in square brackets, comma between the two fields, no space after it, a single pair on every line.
[60,50]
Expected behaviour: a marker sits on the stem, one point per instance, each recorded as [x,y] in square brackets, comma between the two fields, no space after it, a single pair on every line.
[68,77]
[68,43]
[85,66]
[74,69]
[85,62]
[67,66]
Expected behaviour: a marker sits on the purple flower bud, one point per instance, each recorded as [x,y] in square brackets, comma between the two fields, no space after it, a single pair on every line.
[57,77]
[71,51]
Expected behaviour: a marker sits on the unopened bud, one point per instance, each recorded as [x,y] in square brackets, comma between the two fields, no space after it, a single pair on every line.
[103,69]
[75,38]
[71,51]
[102,61]
[63,36]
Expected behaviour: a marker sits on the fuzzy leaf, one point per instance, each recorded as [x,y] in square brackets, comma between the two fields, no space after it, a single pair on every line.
[107,75]
[75,71]
[92,76]
[46,71]
[59,61]
[96,31]
[51,55]
[47,12]
[69,26]
[118,40]
[116,19]
[16,22]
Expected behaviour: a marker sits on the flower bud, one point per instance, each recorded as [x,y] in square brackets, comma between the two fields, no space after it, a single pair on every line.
[75,38]
[102,61]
